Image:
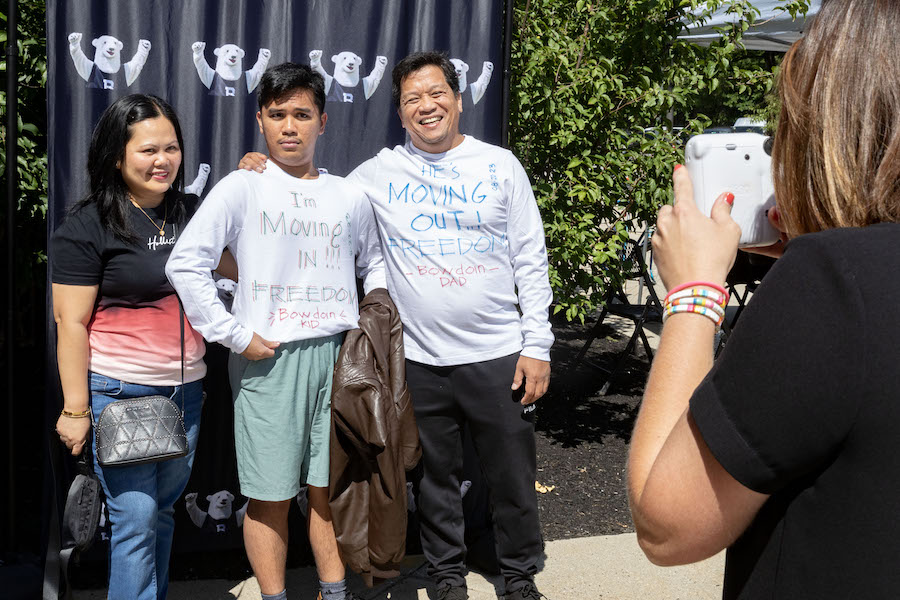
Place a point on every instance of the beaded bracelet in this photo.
(696, 300)
(690, 284)
(715, 296)
(76, 415)
(693, 308)
(716, 314)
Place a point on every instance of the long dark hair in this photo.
(108, 190)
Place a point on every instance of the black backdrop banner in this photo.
(205, 57)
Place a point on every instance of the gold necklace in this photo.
(162, 228)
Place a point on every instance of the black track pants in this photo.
(478, 396)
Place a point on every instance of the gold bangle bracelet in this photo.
(76, 415)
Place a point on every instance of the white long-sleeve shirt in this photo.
(296, 242)
(463, 245)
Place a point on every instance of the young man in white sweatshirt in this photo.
(300, 238)
(464, 252)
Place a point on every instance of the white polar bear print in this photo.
(477, 87)
(225, 289)
(339, 88)
(226, 285)
(105, 71)
(196, 187)
(219, 515)
(223, 81)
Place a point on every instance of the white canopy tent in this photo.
(774, 30)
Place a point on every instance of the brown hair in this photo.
(836, 157)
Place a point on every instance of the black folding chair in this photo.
(748, 270)
(617, 303)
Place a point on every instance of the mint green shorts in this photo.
(282, 417)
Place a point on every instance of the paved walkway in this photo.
(604, 567)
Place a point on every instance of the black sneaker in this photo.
(526, 592)
(452, 592)
(347, 596)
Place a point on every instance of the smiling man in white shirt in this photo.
(464, 250)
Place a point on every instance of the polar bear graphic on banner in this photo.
(197, 186)
(106, 71)
(477, 87)
(225, 80)
(340, 86)
(220, 517)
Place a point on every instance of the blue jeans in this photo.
(141, 498)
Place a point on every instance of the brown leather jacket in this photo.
(374, 439)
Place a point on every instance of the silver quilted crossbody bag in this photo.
(141, 430)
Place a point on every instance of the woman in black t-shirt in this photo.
(786, 450)
(118, 334)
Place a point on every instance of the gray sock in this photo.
(280, 596)
(334, 591)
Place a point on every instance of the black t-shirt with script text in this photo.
(134, 333)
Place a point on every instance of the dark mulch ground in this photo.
(583, 436)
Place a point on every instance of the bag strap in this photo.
(181, 325)
(56, 562)
(180, 201)
(52, 566)
(84, 463)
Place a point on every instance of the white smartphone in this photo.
(740, 163)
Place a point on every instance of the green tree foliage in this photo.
(749, 94)
(597, 87)
(31, 108)
(31, 149)
(28, 335)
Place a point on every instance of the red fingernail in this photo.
(729, 198)
(677, 167)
